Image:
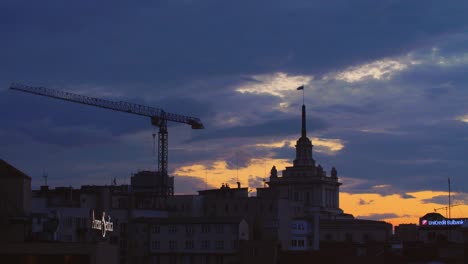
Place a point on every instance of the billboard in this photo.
(443, 222)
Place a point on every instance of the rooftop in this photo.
(8, 171)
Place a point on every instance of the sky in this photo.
(385, 90)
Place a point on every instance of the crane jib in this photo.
(121, 106)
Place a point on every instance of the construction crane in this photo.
(447, 209)
(158, 117)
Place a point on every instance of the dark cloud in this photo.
(411, 161)
(440, 199)
(364, 202)
(119, 42)
(382, 216)
(277, 128)
(189, 184)
(407, 196)
(256, 181)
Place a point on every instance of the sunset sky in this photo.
(385, 89)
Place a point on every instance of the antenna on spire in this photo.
(303, 131)
(301, 88)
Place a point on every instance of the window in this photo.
(294, 243)
(205, 228)
(219, 228)
(205, 244)
(155, 245)
(234, 244)
(234, 228)
(155, 229)
(172, 229)
(68, 221)
(300, 243)
(172, 259)
(219, 244)
(123, 228)
(189, 229)
(172, 245)
(155, 259)
(254, 252)
(189, 244)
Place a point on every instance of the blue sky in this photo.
(385, 88)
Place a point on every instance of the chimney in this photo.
(238, 185)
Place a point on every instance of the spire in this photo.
(303, 145)
(304, 130)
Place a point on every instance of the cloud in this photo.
(379, 70)
(456, 198)
(380, 216)
(277, 128)
(407, 196)
(189, 184)
(275, 84)
(463, 118)
(256, 181)
(364, 202)
(324, 145)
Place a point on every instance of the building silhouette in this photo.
(298, 212)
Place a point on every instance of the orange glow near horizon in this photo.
(405, 211)
(390, 208)
(219, 173)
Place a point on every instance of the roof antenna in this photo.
(206, 178)
(45, 176)
(237, 167)
(450, 202)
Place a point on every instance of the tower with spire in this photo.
(306, 184)
(304, 146)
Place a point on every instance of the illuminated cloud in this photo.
(324, 145)
(378, 70)
(463, 118)
(277, 84)
(327, 145)
(447, 61)
(381, 186)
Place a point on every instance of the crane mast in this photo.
(158, 117)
